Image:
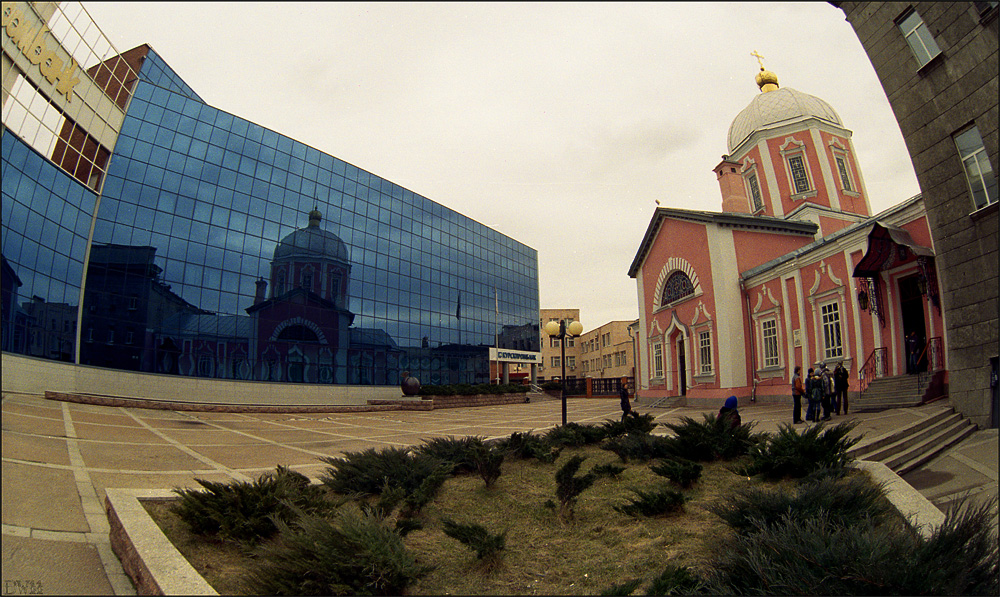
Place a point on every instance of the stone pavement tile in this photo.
(262, 455)
(167, 425)
(104, 481)
(943, 477)
(161, 457)
(52, 568)
(35, 448)
(33, 408)
(208, 436)
(130, 435)
(104, 417)
(33, 424)
(41, 498)
(290, 436)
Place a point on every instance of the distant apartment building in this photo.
(551, 367)
(607, 351)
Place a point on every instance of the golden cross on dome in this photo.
(760, 59)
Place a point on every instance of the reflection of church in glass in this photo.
(300, 331)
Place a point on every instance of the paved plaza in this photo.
(59, 458)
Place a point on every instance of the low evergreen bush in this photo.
(458, 451)
(656, 502)
(608, 470)
(676, 580)
(525, 446)
(488, 547)
(472, 390)
(626, 588)
(487, 461)
(354, 554)
(370, 471)
(814, 555)
(574, 434)
(711, 439)
(681, 471)
(790, 453)
(569, 486)
(619, 427)
(245, 511)
(845, 500)
(639, 446)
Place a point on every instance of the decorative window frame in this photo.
(792, 148)
(818, 299)
(703, 323)
(672, 265)
(751, 175)
(298, 321)
(767, 308)
(839, 152)
(657, 371)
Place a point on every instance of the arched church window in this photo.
(677, 287)
(298, 333)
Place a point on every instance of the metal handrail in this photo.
(873, 368)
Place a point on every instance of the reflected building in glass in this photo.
(193, 242)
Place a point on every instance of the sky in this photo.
(560, 125)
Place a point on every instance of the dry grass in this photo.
(595, 550)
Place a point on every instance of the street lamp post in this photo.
(562, 330)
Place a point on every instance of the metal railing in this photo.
(874, 368)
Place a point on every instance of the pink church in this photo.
(794, 271)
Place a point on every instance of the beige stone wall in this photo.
(36, 376)
(546, 372)
(595, 345)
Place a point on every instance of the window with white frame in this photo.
(769, 339)
(918, 36)
(556, 361)
(757, 203)
(658, 360)
(978, 172)
(571, 361)
(845, 175)
(833, 346)
(705, 352)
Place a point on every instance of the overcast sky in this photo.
(559, 125)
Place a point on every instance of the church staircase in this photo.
(905, 449)
(900, 391)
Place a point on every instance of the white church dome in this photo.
(776, 107)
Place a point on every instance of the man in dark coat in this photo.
(840, 384)
(625, 402)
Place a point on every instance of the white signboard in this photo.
(515, 356)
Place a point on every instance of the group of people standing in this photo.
(822, 389)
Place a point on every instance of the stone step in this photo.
(913, 436)
(933, 447)
(868, 445)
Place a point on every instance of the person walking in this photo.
(625, 403)
(798, 389)
(841, 381)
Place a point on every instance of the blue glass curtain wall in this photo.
(223, 249)
(46, 216)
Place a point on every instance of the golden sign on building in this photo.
(29, 34)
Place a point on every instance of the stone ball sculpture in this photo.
(409, 385)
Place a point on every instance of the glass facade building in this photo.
(219, 248)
